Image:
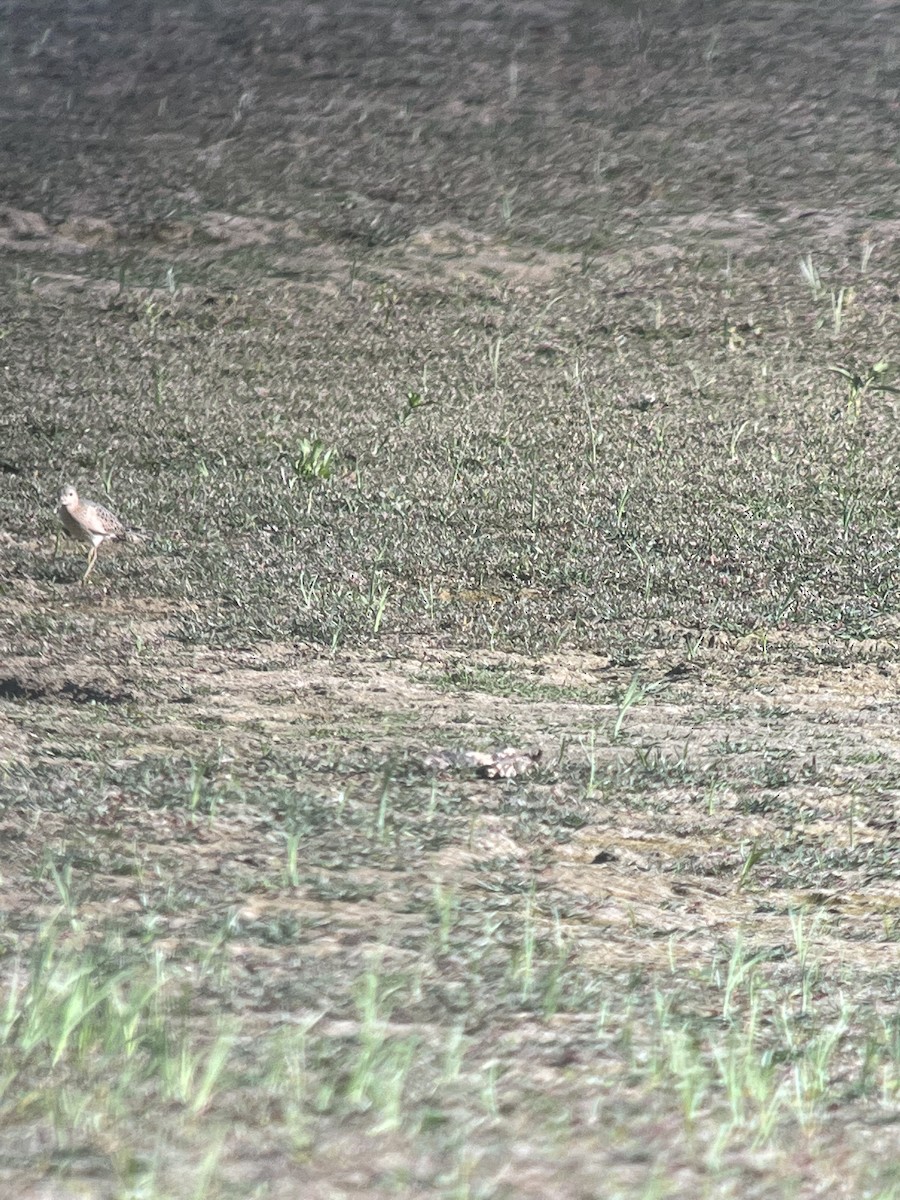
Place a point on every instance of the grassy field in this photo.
(490, 376)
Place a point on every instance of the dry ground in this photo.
(490, 376)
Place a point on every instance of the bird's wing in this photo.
(98, 519)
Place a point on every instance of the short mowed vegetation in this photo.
(489, 377)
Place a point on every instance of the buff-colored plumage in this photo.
(91, 523)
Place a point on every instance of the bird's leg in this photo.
(56, 547)
(92, 558)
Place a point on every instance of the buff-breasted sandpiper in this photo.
(92, 524)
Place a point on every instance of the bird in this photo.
(88, 522)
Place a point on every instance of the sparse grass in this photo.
(506, 544)
(476, 398)
(505, 680)
(114, 1045)
(431, 1025)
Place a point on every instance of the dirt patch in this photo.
(745, 754)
